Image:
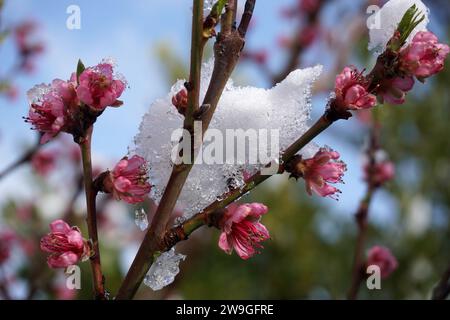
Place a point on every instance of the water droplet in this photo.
(140, 218)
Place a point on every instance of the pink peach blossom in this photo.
(128, 180)
(394, 90)
(242, 229)
(351, 91)
(99, 88)
(52, 107)
(425, 56)
(67, 91)
(65, 245)
(48, 116)
(320, 170)
(383, 258)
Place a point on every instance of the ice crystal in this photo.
(285, 107)
(164, 270)
(140, 219)
(36, 94)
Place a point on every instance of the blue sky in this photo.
(128, 31)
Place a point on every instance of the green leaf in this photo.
(409, 22)
(80, 69)
(218, 7)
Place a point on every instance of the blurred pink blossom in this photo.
(383, 258)
(44, 161)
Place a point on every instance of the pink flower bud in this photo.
(241, 229)
(65, 245)
(99, 88)
(180, 101)
(128, 180)
(425, 56)
(383, 258)
(351, 91)
(319, 171)
(383, 172)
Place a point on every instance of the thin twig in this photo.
(91, 219)
(361, 217)
(246, 18)
(359, 262)
(26, 157)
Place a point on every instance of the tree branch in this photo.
(91, 218)
(197, 46)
